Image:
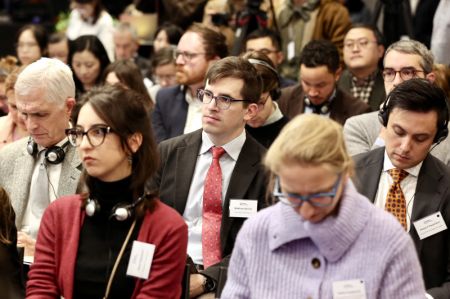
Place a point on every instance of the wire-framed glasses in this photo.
(321, 199)
(222, 102)
(95, 135)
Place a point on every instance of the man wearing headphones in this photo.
(37, 170)
(318, 92)
(406, 180)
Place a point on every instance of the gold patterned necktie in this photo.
(395, 200)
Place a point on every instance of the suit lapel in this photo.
(70, 173)
(428, 196)
(23, 171)
(186, 159)
(369, 172)
(247, 165)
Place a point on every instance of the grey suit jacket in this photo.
(248, 181)
(16, 170)
(432, 194)
(361, 131)
(377, 95)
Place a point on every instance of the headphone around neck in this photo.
(274, 93)
(53, 155)
(121, 211)
(442, 131)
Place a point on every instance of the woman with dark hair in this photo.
(127, 74)
(89, 17)
(88, 59)
(31, 43)
(10, 277)
(166, 35)
(86, 242)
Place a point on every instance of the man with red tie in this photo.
(214, 176)
(406, 180)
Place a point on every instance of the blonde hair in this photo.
(310, 139)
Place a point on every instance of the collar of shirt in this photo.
(387, 165)
(275, 116)
(41, 148)
(232, 148)
(364, 81)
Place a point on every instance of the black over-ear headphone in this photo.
(274, 93)
(53, 155)
(324, 108)
(442, 131)
(121, 211)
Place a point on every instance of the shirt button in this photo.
(315, 263)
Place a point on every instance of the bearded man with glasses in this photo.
(209, 174)
(177, 110)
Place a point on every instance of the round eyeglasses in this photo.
(95, 135)
(406, 73)
(320, 200)
(222, 102)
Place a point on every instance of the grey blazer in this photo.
(432, 194)
(361, 131)
(16, 170)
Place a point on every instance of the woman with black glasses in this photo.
(322, 239)
(115, 240)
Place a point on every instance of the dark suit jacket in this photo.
(169, 115)
(377, 95)
(248, 181)
(432, 195)
(342, 107)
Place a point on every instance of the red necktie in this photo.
(212, 211)
(395, 200)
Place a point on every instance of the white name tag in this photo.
(141, 258)
(430, 225)
(290, 50)
(243, 208)
(349, 289)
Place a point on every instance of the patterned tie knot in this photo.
(397, 175)
(217, 152)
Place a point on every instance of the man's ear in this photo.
(134, 142)
(430, 77)
(252, 110)
(337, 74)
(70, 104)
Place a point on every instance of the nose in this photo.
(180, 59)
(405, 145)
(306, 210)
(85, 142)
(397, 79)
(313, 92)
(30, 124)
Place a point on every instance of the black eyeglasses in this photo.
(222, 102)
(95, 135)
(321, 199)
(406, 73)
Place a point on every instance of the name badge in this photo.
(349, 289)
(141, 258)
(290, 50)
(241, 208)
(430, 225)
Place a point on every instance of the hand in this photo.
(24, 240)
(196, 282)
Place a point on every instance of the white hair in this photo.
(49, 74)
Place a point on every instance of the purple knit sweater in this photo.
(279, 255)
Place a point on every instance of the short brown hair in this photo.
(214, 42)
(238, 68)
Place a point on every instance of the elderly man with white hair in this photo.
(44, 166)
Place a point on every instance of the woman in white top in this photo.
(88, 17)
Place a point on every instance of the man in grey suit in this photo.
(403, 60)
(229, 99)
(39, 169)
(405, 179)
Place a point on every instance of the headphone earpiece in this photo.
(274, 93)
(121, 211)
(53, 155)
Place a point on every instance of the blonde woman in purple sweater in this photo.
(322, 239)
